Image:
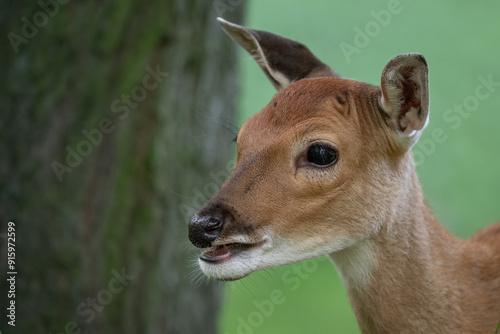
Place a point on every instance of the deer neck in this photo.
(394, 275)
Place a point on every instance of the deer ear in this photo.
(283, 61)
(405, 96)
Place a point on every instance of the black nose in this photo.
(204, 230)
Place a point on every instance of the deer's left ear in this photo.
(405, 96)
(283, 60)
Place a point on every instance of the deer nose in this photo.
(204, 230)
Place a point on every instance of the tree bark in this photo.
(113, 115)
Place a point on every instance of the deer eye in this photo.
(322, 155)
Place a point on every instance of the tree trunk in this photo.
(113, 115)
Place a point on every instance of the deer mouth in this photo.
(221, 253)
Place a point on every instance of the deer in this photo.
(326, 169)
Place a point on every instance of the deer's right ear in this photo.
(405, 96)
(283, 60)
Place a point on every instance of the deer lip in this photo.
(221, 253)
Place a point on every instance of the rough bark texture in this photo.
(99, 169)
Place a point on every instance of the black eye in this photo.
(322, 154)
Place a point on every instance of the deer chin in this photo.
(230, 261)
(233, 260)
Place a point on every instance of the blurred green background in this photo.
(459, 175)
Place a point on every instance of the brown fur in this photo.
(404, 272)
(428, 281)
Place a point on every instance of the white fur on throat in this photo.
(356, 264)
